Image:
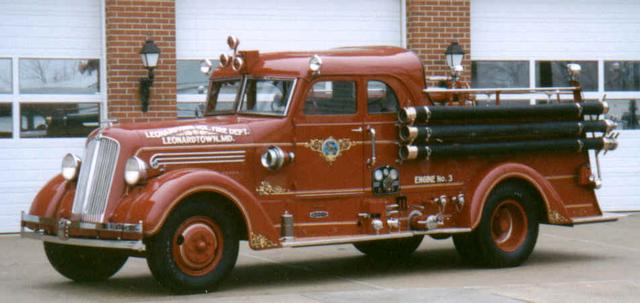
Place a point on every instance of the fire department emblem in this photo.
(330, 148)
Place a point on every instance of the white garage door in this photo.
(605, 35)
(49, 65)
(202, 27)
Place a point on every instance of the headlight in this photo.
(70, 167)
(135, 171)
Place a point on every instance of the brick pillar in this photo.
(128, 25)
(432, 25)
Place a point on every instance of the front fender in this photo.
(153, 202)
(556, 212)
(49, 198)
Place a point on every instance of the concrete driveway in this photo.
(589, 263)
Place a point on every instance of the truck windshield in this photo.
(266, 96)
(223, 95)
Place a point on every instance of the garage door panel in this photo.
(551, 28)
(285, 25)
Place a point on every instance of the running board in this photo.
(596, 219)
(352, 239)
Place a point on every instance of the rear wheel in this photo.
(390, 248)
(196, 248)
(84, 264)
(507, 232)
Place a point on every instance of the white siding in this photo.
(203, 26)
(570, 30)
(41, 29)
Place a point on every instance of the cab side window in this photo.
(331, 98)
(381, 98)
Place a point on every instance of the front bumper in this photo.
(120, 235)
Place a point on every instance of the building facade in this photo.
(66, 65)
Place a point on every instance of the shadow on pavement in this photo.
(312, 271)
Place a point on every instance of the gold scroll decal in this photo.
(330, 149)
(259, 241)
(266, 189)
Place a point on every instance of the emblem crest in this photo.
(330, 148)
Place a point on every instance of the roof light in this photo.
(225, 60)
(233, 43)
(238, 63)
(315, 63)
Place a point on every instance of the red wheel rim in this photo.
(197, 246)
(508, 225)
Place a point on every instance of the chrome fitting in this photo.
(605, 107)
(610, 126)
(408, 134)
(393, 223)
(408, 115)
(286, 226)
(460, 200)
(377, 225)
(409, 152)
(609, 144)
(595, 181)
(432, 222)
(63, 229)
(442, 201)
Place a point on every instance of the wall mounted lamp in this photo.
(149, 54)
(454, 55)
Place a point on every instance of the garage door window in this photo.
(5, 76)
(494, 74)
(625, 112)
(554, 74)
(58, 120)
(54, 98)
(192, 86)
(6, 124)
(622, 75)
(59, 76)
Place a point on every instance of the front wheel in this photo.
(196, 248)
(84, 264)
(507, 232)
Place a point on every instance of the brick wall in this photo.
(432, 25)
(128, 25)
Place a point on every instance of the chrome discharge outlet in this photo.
(286, 226)
(377, 225)
(393, 223)
(432, 222)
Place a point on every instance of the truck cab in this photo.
(316, 148)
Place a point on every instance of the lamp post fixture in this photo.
(149, 54)
(454, 55)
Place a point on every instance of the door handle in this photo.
(357, 130)
(372, 133)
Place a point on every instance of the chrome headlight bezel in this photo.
(70, 167)
(135, 171)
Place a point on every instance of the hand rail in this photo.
(502, 90)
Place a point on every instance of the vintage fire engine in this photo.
(316, 148)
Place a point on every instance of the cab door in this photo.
(329, 162)
(382, 96)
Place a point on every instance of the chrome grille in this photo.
(94, 181)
